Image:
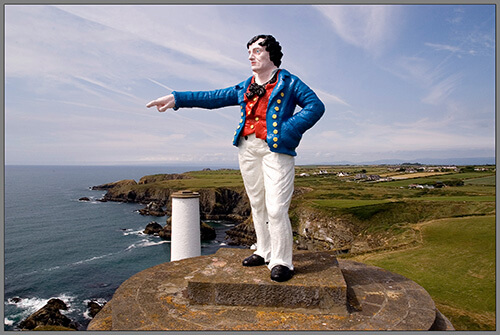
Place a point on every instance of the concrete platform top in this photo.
(318, 283)
(157, 299)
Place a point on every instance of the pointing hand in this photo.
(163, 103)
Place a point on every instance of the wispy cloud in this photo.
(328, 97)
(368, 27)
(372, 137)
(160, 84)
(167, 28)
(442, 89)
(443, 47)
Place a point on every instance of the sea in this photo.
(56, 246)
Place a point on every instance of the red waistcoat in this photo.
(256, 113)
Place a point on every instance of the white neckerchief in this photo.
(271, 77)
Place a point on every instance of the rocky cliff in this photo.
(313, 229)
(215, 203)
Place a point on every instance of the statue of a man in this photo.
(267, 136)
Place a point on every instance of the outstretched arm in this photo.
(163, 103)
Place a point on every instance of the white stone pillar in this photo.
(186, 241)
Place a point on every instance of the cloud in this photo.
(435, 82)
(369, 27)
(441, 90)
(328, 97)
(443, 47)
(167, 27)
(386, 138)
(115, 44)
(161, 85)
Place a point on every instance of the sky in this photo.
(398, 81)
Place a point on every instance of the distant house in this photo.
(373, 177)
(304, 175)
(360, 176)
(342, 174)
(418, 186)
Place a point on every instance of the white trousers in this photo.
(268, 178)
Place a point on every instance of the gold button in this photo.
(275, 139)
(235, 133)
(252, 126)
(256, 119)
(251, 105)
(242, 114)
(275, 124)
(242, 107)
(276, 108)
(249, 112)
(275, 116)
(275, 131)
(241, 120)
(278, 101)
(282, 94)
(255, 99)
(238, 127)
(275, 145)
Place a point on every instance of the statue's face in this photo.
(259, 57)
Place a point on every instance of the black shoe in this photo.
(254, 260)
(281, 273)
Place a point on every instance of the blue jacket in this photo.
(284, 127)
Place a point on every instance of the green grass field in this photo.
(456, 264)
(484, 181)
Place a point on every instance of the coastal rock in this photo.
(153, 209)
(153, 228)
(120, 183)
(317, 231)
(94, 308)
(15, 300)
(84, 199)
(48, 315)
(223, 203)
(206, 231)
(242, 234)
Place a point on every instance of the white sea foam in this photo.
(8, 322)
(53, 268)
(133, 232)
(92, 259)
(86, 314)
(100, 301)
(145, 243)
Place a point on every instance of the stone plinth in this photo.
(157, 299)
(318, 283)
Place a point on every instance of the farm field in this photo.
(455, 263)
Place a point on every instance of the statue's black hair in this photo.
(272, 46)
